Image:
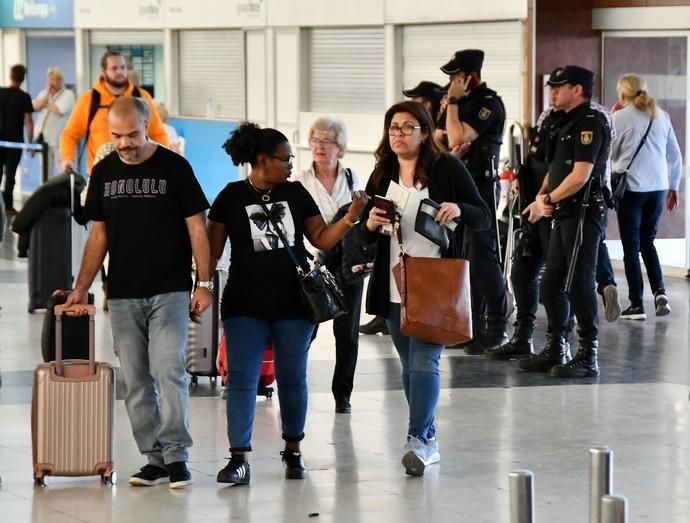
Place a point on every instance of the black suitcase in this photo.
(75, 332)
(204, 337)
(50, 256)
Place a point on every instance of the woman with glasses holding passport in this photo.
(411, 168)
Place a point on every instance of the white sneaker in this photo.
(661, 304)
(418, 455)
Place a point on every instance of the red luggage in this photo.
(268, 371)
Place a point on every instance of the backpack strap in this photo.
(136, 93)
(94, 106)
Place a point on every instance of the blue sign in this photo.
(45, 14)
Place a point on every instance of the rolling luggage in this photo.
(268, 370)
(72, 409)
(75, 332)
(203, 337)
(50, 256)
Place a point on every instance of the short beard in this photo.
(114, 84)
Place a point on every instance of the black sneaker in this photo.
(343, 406)
(236, 472)
(180, 476)
(293, 464)
(149, 475)
(633, 313)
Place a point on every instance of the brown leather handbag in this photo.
(435, 302)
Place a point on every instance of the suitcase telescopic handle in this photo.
(59, 311)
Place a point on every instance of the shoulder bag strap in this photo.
(350, 181)
(295, 261)
(642, 142)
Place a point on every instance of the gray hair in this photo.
(331, 125)
(54, 71)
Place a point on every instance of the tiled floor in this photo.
(491, 419)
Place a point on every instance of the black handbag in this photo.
(427, 226)
(619, 180)
(320, 292)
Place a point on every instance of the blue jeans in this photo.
(246, 339)
(151, 340)
(420, 376)
(638, 220)
(604, 272)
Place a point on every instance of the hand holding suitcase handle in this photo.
(59, 311)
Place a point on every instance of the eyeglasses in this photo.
(405, 129)
(321, 143)
(287, 162)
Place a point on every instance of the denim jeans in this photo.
(638, 220)
(151, 339)
(420, 376)
(604, 272)
(246, 339)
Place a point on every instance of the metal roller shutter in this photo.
(427, 47)
(346, 70)
(212, 74)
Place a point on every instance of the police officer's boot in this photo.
(519, 346)
(493, 337)
(556, 352)
(583, 365)
(473, 347)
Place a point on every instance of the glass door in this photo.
(662, 60)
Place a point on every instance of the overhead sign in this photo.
(27, 14)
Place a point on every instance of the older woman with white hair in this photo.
(55, 104)
(331, 184)
(653, 179)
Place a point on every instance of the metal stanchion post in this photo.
(521, 497)
(44, 164)
(614, 509)
(600, 480)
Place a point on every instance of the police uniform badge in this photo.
(586, 137)
(484, 113)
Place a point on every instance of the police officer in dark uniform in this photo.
(476, 116)
(572, 195)
(531, 248)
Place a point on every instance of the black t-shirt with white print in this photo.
(263, 280)
(144, 208)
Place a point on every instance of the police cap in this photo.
(574, 75)
(466, 61)
(428, 90)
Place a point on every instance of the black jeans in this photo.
(583, 295)
(9, 161)
(486, 276)
(346, 333)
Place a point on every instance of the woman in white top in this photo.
(653, 179)
(331, 186)
(55, 104)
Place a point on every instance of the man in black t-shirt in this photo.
(147, 212)
(15, 114)
(475, 115)
(572, 194)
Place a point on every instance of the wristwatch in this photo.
(547, 199)
(453, 100)
(206, 284)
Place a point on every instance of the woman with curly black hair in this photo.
(261, 301)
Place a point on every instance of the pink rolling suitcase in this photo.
(72, 413)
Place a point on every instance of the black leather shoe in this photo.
(293, 464)
(556, 352)
(583, 365)
(515, 348)
(343, 406)
(375, 326)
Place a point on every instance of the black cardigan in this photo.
(450, 181)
